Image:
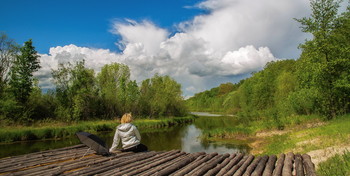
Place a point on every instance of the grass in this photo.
(246, 129)
(335, 132)
(299, 134)
(337, 165)
(56, 130)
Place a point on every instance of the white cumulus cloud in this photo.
(233, 39)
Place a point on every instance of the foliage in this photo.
(24, 66)
(161, 96)
(76, 92)
(337, 165)
(213, 100)
(19, 68)
(317, 83)
(56, 130)
(324, 63)
(118, 93)
(82, 96)
(8, 52)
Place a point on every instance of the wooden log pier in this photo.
(75, 160)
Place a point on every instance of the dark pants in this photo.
(138, 148)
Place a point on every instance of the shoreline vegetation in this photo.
(58, 130)
(326, 141)
(300, 105)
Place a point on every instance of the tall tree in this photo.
(161, 96)
(8, 52)
(75, 92)
(24, 65)
(113, 81)
(323, 61)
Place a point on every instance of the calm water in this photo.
(185, 138)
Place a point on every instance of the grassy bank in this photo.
(56, 130)
(319, 138)
(310, 136)
(247, 129)
(337, 165)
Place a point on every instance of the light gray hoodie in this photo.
(128, 134)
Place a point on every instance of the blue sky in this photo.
(84, 22)
(198, 43)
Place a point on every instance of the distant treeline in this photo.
(80, 93)
(316, 83)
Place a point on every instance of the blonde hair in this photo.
(127, 118)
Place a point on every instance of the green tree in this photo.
(76, 92)
(161, 96)
(324, 63)
(114, 84)
(25, 64)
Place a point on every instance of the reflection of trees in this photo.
(209, 123)
(243, 148)
(205, 143)
(164, 139)
(20, 148)
(159, 139)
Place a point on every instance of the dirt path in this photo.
(318, 156)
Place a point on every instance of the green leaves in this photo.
(323, 65)
(25, 64)
(161, 96)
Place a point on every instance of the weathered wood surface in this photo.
(71, 161)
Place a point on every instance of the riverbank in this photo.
(322, 140)
(58, 130)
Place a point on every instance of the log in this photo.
(270, 165)
(235, 168)
(252, 166)
(179, 165)
(210, 165)
(132, 166)
(58, 166)
(73, 169)
(187, 168)
(308, 165)
(236, 160)
(165, 165)
(288, 165)
(242, 169)
(25, 162)
(74, 166)
(279, 165)
(194, 165)
(202, 165)
(118, 162)
(299, 165)
(215, 170)
(41, 153)
(140, 170)
(38, 162)
(260, 167)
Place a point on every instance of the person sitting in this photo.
(129, 136)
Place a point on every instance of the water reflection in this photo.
(185, 138)
(192, 143)
(206, 114)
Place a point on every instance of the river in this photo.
(185, 138)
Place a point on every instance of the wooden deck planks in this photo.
(71, 161)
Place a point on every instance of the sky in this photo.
(199, 43)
